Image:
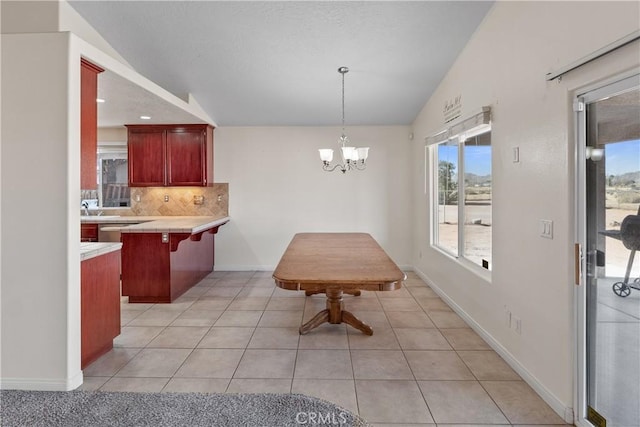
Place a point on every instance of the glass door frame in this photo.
(583, 97)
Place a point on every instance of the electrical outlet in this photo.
(166, 197)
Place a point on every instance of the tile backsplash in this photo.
(150, 201)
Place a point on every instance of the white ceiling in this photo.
(274, 63)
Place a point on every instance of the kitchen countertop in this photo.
(90, 250)
(158, 224)
(177, 224)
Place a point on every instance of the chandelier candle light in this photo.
(352, 157)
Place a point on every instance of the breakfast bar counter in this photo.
(162, 259)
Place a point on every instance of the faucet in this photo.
(85, 205)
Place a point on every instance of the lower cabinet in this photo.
(100, 305)
(88, 232)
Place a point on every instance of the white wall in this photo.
(504, 66)
(40, 167)
(51, 16)
(277, 188)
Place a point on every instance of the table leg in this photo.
(335, 313)
(315, 321)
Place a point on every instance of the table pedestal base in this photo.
(335, 313)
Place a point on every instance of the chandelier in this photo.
(353, 158)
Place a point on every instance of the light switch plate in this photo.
(546, 228)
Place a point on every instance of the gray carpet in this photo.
(80, 408)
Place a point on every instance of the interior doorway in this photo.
(609, 300)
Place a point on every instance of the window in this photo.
(113, 189)
(461, 172)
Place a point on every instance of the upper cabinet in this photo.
(88, 124)
(170, 155)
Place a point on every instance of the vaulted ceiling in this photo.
(271, 63)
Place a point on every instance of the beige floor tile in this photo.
(180, 304)
(210, 363)
(154, 362)
(380, 365)
(520, 403)
(285, 293)
(460, 402)
(488, 365)
(447, 319)
(323, 364)
(422, 292)
(128, 316)
(362, 304)
(392, 401)
(92, 383)
(281, 318)
(432, 304)
(326, 336)
(464, 339)
(136, 336)
(400, 304)
(421, 339)
(155, 318)
(275, 338)
(396, 293)
(196, 385)
(140, 385)
(437, 365)
(409, 319)
(178, 337)
(266, 364)
(382, 339)
(140, 307)
(261, 283)
(196, 291)
(248, 303)
(256, 291)
(111, 362)
(239, 318)
(341, 392)
(262, 385)
(375, 319)
(211, 303)
(193, 317)
(223, 291)
(292, 304)
(226, 337)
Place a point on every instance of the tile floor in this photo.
(236, 332)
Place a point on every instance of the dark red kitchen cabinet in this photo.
(170, 155)
(88, 124)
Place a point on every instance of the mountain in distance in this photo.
(624, 179)
(477, 180)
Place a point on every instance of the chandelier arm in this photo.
(326, 168)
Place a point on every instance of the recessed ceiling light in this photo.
(99, 100)
(145, 117)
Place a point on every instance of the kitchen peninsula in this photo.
(100, 298)
(162, 259)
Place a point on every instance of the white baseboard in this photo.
(44, 384)
(565, 412)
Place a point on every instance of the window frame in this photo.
(460, 138)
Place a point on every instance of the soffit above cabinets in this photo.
(125, 102)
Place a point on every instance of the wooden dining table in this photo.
(334, 264)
